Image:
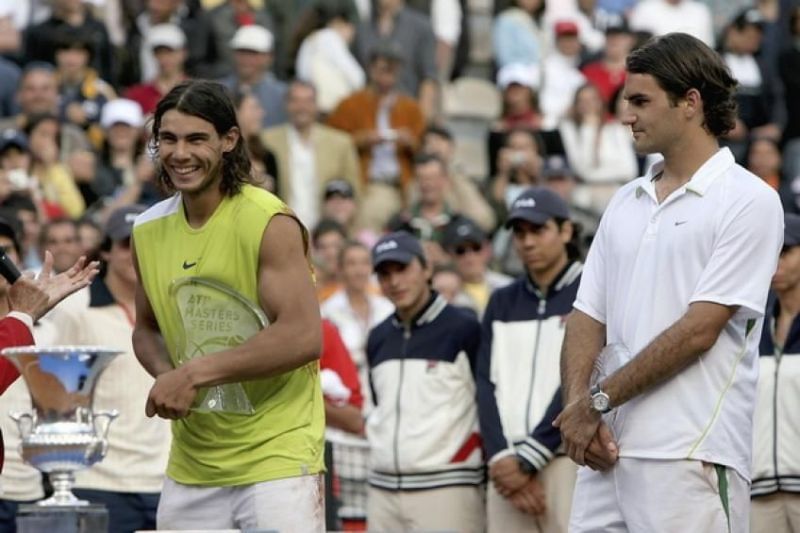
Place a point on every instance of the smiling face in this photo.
(191, 151)
(654, 119)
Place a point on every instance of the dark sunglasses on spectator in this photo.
(464, 248)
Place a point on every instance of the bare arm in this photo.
(672, 351)
(428, 95)
(583, 340)
(287, 295)
(345, 417)
(148, 344)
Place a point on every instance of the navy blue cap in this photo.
(15, 138)
(398, 247)
(537, 205)
(791, 230)
(462, 230)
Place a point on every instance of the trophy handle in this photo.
(25, 423)
(108, 416)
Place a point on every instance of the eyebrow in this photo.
(199, 135)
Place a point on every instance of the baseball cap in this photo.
(121, 110)
(166, 36)
(460, 231)
(120, 224)
(521, 74)
(537, 205)
(253, 37)
(791, 230)
(749, 17)
(565, 27)
(13, 138)
(617, 25)
(396, 247)
(339, 187)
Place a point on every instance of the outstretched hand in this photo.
(38, 295)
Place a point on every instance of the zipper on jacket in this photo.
(539, 312)
(406, 336)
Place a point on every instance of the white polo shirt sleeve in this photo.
(592, 291)
(745, 256)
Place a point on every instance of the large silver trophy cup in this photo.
(62, 433)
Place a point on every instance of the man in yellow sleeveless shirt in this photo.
(259, 466)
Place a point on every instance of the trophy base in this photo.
(90, 518)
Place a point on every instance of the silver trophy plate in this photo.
(215, 317)
(62, 433)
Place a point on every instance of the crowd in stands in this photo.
(344, 106)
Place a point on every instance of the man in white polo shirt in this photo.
(676, 281)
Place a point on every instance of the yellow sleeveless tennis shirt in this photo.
(285, 436)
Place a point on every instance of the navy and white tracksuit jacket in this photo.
(519, 367)
(776, 435)
(423, 431)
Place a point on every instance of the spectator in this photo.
(31, 218)
(764, 160)
(15, 165)
(789, 71)
(128, 480)
(55, 179)
(426, 462)
(463, 194)
(90, 237)
(531, 488)
(309, 154)
(386, 127)
(356, 308)
(38, 93)
(140, 64)
(660, 17)
(168, 44)
(471, 252)
(60, 237)
(607, 73)
(71, 16)
(775, 494)
(599, 149)
(561, 75)
(339, 204)
(82, 93)
(340, 384)
(449, 284)
(324, 58)
(252, 55)
(125, 173)
(519, 84)
(263, 163)
(519, 166)
(392, 20)
(430, 214)
(327, 239)
(759, 94)
(225, 21)
(9, 80)
(518, 34)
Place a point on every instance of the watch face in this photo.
(600, 402)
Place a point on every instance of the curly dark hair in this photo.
(680, 62)
(211, 102)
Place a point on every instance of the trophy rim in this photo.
(61, 350)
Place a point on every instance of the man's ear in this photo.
(693, 103)
(230, 138)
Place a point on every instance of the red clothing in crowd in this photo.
(336, 357)
(607, 81)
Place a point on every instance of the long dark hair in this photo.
(211, 102)
(680, 62)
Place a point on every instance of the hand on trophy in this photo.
(172, 394)
(37, 295)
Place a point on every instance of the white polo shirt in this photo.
(716, 239)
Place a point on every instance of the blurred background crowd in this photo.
(364, 116)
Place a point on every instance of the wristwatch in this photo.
(600, 400)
